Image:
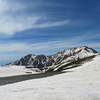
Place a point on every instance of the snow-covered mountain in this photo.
(80, 83)
(65, 56)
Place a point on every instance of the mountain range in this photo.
(55, 61)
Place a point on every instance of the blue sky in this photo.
(47, 26)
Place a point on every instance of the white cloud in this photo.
(9, 57)
(13, 47)
(10, 25)
(10, 6)
(41, 47)
(38, 47)
(2, 6)
(53, 45)
(62, 44)
(97, 45)
(48, 46)
(50, 24)
(12, 22)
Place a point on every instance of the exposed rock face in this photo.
(68, 55)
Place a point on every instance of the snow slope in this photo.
(81, 83)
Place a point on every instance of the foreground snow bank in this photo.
(81, 83)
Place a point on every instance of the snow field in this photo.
(6, 71)
(81, 83)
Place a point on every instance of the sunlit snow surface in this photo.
(14, 70)
(81, 83)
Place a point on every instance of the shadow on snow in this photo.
(14, 79)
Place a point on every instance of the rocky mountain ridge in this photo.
(65, 56)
